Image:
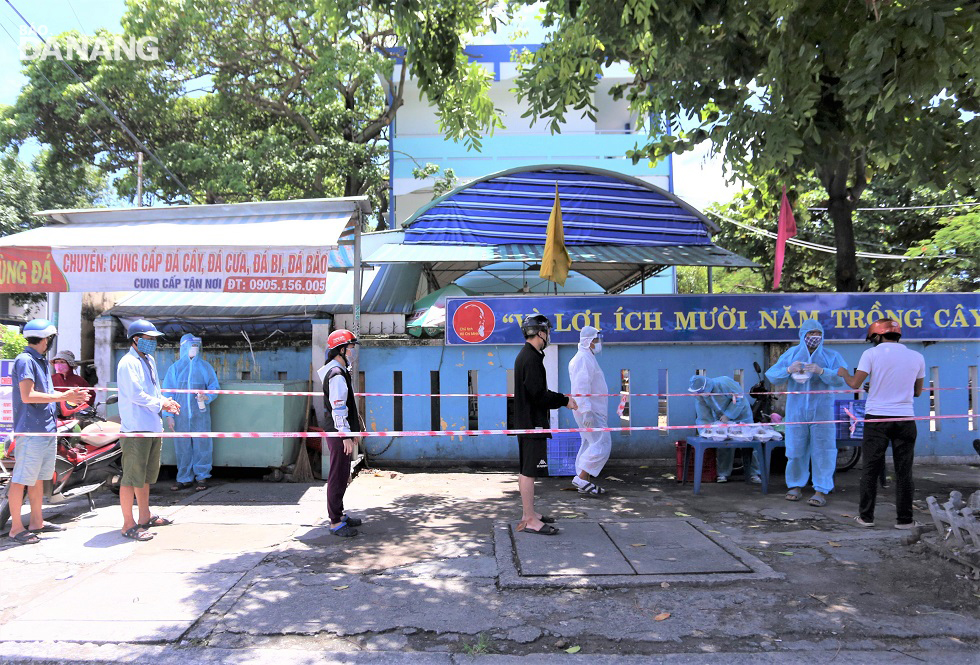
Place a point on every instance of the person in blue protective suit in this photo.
(723, 399)
(192, 372)
(811, 445)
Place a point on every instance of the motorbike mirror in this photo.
(757, 368)
(112, 400)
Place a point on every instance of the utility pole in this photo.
(139, 180)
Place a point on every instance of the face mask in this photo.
(61, 368)
(147, 346)
(547, 340)
(812, 341)
(598, 347)
(350, 355)
(191, 352)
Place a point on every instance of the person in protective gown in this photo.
(587, 379)
(723, 399)
(811, 446)
(192, 372)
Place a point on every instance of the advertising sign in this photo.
(6, 406)
(714, 318)
(227, 269)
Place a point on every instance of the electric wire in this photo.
(821, 248)
(142, 146)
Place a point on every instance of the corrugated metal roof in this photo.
(613, 267)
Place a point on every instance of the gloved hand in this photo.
(588, 419)
(795, 367)
(724, 419)
(813, 368)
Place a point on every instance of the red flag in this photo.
(785, 231)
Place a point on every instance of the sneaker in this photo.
(909, 525)
(755, 479)
(722, 479)
(861, 522)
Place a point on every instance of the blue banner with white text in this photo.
(714, 318)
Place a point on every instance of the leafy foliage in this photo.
(888, 232)
(263, 99)
(12, 343)
(43, 185)
(828, 89)
(957, 241)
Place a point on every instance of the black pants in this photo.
(877, 435)
(337, 479)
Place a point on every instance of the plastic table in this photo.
(701, 444)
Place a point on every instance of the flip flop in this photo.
(26, 538)
(48, 527)
(137, 533)
(794, 494)
(176, 487)
(545, 530)
(156, 520)
(817, 501)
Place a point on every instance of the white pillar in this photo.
(321, 330)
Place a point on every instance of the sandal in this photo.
(201, 486)
(817, 500)
(26, 537)
(352, 521)
(344, 530)
(545, 530)
(178, 486)
(156, 520)
(137, 533)
(794, 494)
(547, 519)
(48, 527)
(591, 489)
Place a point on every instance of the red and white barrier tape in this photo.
(452, 433)
(318, 393)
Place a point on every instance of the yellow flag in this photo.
(555, 262)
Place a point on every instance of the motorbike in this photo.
(83, 464)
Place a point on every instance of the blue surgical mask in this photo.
(147, 346)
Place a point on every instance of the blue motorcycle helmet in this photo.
(142, 327)
(38, 329)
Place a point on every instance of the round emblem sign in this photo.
(473, 321)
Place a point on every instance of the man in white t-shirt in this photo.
(897, 374)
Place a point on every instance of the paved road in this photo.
(248, 574)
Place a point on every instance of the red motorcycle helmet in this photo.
(882, 327)
(340, 337)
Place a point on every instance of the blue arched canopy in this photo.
(598, 208)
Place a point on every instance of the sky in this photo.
(697, 179)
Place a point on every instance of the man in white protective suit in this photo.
(587, 379)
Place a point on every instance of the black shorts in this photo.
(534, 456)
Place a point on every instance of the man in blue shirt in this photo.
(33, 399)
(140, 405)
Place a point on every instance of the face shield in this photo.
(698, 384)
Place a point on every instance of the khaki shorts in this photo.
(140, 460)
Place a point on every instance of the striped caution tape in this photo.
(452, 433)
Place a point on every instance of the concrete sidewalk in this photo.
(248, 574)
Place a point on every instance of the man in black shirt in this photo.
(532, 401)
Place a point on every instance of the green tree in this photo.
(889, 231)
(12, 343)
(957, 243)
(43, 185)
(264, 99)
(833, 89)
